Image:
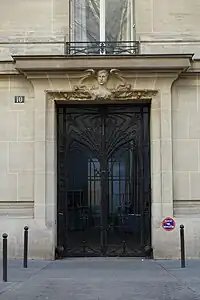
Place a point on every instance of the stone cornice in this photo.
(195, 67)
(8, 68)
(139, 63)
(59, 66)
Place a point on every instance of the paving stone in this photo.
(102, 279)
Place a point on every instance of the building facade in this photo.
(100, 126)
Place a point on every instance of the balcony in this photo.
(101, 48)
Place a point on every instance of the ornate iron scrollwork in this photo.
(104, 179)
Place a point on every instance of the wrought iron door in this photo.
(103, 180)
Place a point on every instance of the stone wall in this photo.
(186, 169)
(33, 27)
(17, 169)
(186, 146)
(160, 17)
(16, 150)
(168, 26)
(39, 27)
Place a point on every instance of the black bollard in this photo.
(124, 248)
(84, 246)
(5, 248)
(25, 246)
(182, 239)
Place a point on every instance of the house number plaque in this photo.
(19, 99)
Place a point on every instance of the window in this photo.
(102, 20)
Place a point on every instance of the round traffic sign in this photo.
(168, 224)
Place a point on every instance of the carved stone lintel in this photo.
(82, 95)
(82, 91)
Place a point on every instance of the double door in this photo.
(103, 180)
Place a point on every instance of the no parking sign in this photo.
(168, 224)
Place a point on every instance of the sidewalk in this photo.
(17, 274)
(102, 279)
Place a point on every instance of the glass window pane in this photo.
(85, 23)
(118, 20)
(86, 20)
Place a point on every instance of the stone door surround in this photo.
(77, 79)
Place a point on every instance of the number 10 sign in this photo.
(19, 99)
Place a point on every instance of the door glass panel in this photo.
(94, 186)
(124, 208)
(83, 204)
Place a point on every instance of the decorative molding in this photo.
(17, 209)
(82, 95)
(186, 208)
(99, 91)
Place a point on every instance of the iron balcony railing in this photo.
(102, 48)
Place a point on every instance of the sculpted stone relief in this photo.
(98, 90)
